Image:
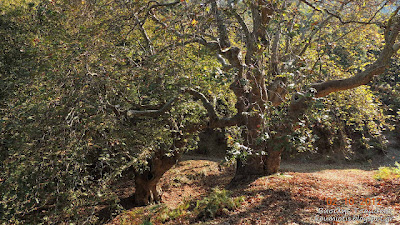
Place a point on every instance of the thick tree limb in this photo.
(222, 31)
(359, 79)
(243, 25)
(275, 53)
(209, 107)
(300, 101)
(378, 67)
(152, 113)
(261, 12)
(214, 122)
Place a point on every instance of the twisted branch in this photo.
(215, 120)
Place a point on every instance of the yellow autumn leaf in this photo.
(194, 22)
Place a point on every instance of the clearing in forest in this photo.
(300, 194)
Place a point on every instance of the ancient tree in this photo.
(260, 42)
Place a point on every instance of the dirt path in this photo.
(301, 194)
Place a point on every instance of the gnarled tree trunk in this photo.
(146, 182)
(257, 164)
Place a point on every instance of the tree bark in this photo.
(146, 189)
(257, 163)
(146, 182)
(273, 161)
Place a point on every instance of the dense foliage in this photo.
(385, 173)
(61, 65)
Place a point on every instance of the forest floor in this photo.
(300, 194)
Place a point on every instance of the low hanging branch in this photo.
(152, 113)
(214, 122)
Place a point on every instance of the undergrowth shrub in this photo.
(216, 204)
(388, 173)
(168, 214)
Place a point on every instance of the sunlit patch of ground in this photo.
(290, 197)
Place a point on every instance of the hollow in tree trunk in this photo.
(146, 182)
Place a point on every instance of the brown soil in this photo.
(290, 197)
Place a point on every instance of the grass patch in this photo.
(217, 203)
(388, 173)
(167, 214)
